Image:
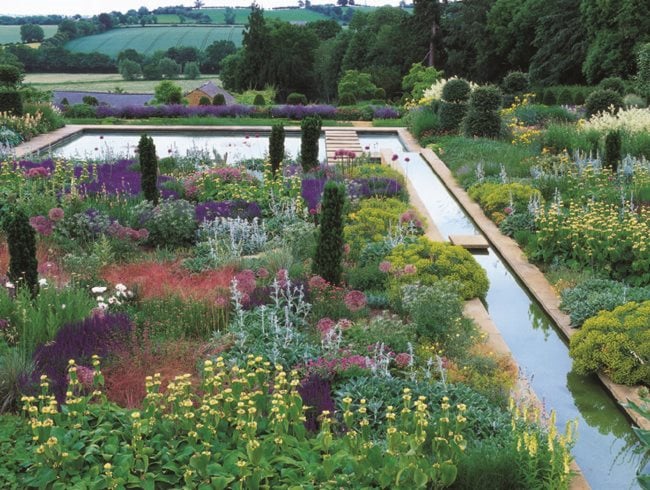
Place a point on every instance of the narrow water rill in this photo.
(605, 446)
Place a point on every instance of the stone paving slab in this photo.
(470, 242)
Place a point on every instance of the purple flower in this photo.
(210, 210)
(312, 191)
(316, 393)
(56, 214)
(42, 225)
(385, 113)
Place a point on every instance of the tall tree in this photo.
(31, 33)
(425, 30)
(257, 49)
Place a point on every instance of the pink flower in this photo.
(385, 266)
(395, 157)
(324, 325)
(37, 172)
(41, 224)
(402, 360)
(282, 276)
(222, 302)
(346, 249)
(56, 214)
(262, 273)
(355, 300)
(246, 282)
(85, 375)
(410, 269)
(508, 210)
(317, 283)
(407, 159)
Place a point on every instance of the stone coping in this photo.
(527, 273)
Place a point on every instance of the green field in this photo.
(11, 34)
(288, 15)
(99, 82)
(147, 40)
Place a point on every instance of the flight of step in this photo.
(341, 139)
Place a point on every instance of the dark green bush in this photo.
(296, 98)
(615, 84)
(64, 101)
(204, 100)
(515, 83)
(482, 117)
(603, 101)
(457, 90)
(21, 240)
(380, 93)
(90, 100)
(347, 99)
(565, 97)
(549, 97)
(366, 278)
(579, 98)
(259, 100)
(171, 223)
(10, 75)
(612, 154)
(276, 147)
(310, 126)
(11, 101)
(329, 248)
(148, 168)
(451, 115)
(219, 99)
(80, 111)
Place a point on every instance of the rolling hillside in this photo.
(147, 40)
(11, 34)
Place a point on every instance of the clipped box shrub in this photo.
(451, 115)
(219, 99)
(456, 90)
(296, 98)
(603, 101)
(10, 75)
(347, 99)
(204, 100)
(565, 97)
(616, 343)
(259, 100)
(482, 117)
(80, 111)
(11, 101)
(549, 97)
(579, 97)
(515, 83)
(615, 84)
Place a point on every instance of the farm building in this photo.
(103, 98)
(208, 90)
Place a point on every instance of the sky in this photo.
(92, 7)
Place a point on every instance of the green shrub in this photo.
(593, 295)
(456, 90)
(603, 101)
(15, 367)
(433, 261)
(50, 118)
(191, 70)
(11, 102)
(612, 154)
(64, 101)
(633, 100)
(366, 277)
(10, 76)
(204, 100)
(579, 98)
(171, 223)
(615, 342)
(615, 84)
(380, 93)
(148, 168)
(309, 138)
(80, 111)
(296, 98)
(423, 122)
(259, 100)
(219, 99)
(549, 97)
(451, 115)
(21, 240)
(565, 97)
(347, 99)
(482, 117)
(495, 198)
(329, 248)
(276, 147)
(90, 100)
(515, 83)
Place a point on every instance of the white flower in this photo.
(120, 287)
(102, 305)
(63, 306)
(9, 285)
(98, 289)
(42, 282)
